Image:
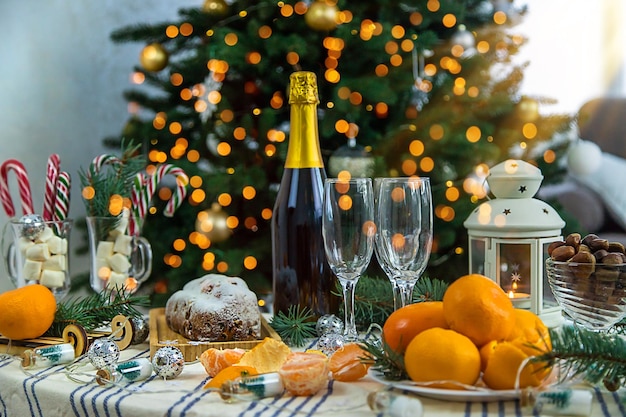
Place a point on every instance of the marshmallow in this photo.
(57, 245)
(38, 252)
(31, 270)
(52, 279)
(23, 244)
(104, 249)
(45, 234)
(56, 263)
(116, 280)
(120, 227)
(119, 263)
(123, 244)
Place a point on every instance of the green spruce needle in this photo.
(296, 326)
(595, 356)
(96, 310)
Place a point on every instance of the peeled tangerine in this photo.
(214, 360)
(304, 373)
(347, 363)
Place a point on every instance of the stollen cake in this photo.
(215, 308)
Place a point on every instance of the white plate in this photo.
(477, 395)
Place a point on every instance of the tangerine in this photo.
(503, 365)
(478, 308)
(26, 312)
(407, 322)
(348, 363)
(304, 373)
(530, 328)
(214, 360)
(442, 355)
(228, 374)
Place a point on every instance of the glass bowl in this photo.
(593, 296)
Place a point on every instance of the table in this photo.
(48, 392)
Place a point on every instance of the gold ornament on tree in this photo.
(153, 57)
(527, 110)
(215, 7)
(322, 15)
(212, 224)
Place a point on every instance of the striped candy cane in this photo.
(62, 199)
(144, 187)
(52, 175)
(26, 198)
(101, 160)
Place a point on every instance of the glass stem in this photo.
(349, 332)
(406, 292)
(397, 294)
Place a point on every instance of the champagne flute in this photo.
(405, 232)
(348, 230)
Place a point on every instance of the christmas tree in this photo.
(424, 87)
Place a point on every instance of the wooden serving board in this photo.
(161, 335)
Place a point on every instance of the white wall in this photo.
(61, 83)
(61, 78)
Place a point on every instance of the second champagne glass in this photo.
(348, 230)
(405, 232)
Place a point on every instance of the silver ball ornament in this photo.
(103, 353)
(140, 330)
(168, 362)
(31, 226)
(329, 323)
(329, 343)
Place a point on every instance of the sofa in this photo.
(596, 200)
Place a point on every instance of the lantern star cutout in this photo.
(516, 277)
(522, 189)
(507, 212)
(545, 211)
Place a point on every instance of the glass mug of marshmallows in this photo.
(120, 261)
(39, 253)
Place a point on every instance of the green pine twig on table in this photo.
(96, 310)
(296, 326)
(595, 356)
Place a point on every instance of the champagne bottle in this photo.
(300, 272)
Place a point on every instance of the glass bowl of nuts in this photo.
(588, 279)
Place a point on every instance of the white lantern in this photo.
(509, 238)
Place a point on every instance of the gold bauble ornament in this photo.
(212, 224)
(153, 57)
(527, 110)
(322, 15)
(215, 7)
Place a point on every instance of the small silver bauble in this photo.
(31, 226)
(140, 330)
(168, 362)
(329, 323)
(329, 343)
(103, 353)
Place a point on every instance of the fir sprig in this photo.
(596, 357)
(96, 310)
(429, 289)
(296, 326)
(385, 360)
(114, 180)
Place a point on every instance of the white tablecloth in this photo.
(48, 392)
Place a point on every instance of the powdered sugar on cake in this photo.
(214, 308)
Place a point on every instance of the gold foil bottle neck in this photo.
(303, 88)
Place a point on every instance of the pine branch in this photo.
(597, 357)
(296, 326)
(385, 360)
(96, 310)
(429, 289)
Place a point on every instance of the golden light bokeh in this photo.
(398, 241)
(345, 202)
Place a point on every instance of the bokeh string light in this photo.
(239, 128)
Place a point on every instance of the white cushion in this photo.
(609, 183)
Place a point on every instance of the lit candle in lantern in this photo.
(519, 299)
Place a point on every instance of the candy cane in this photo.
(52, 175)
(101, 160)
(144, 187)
(26, 198)
(62, 199)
